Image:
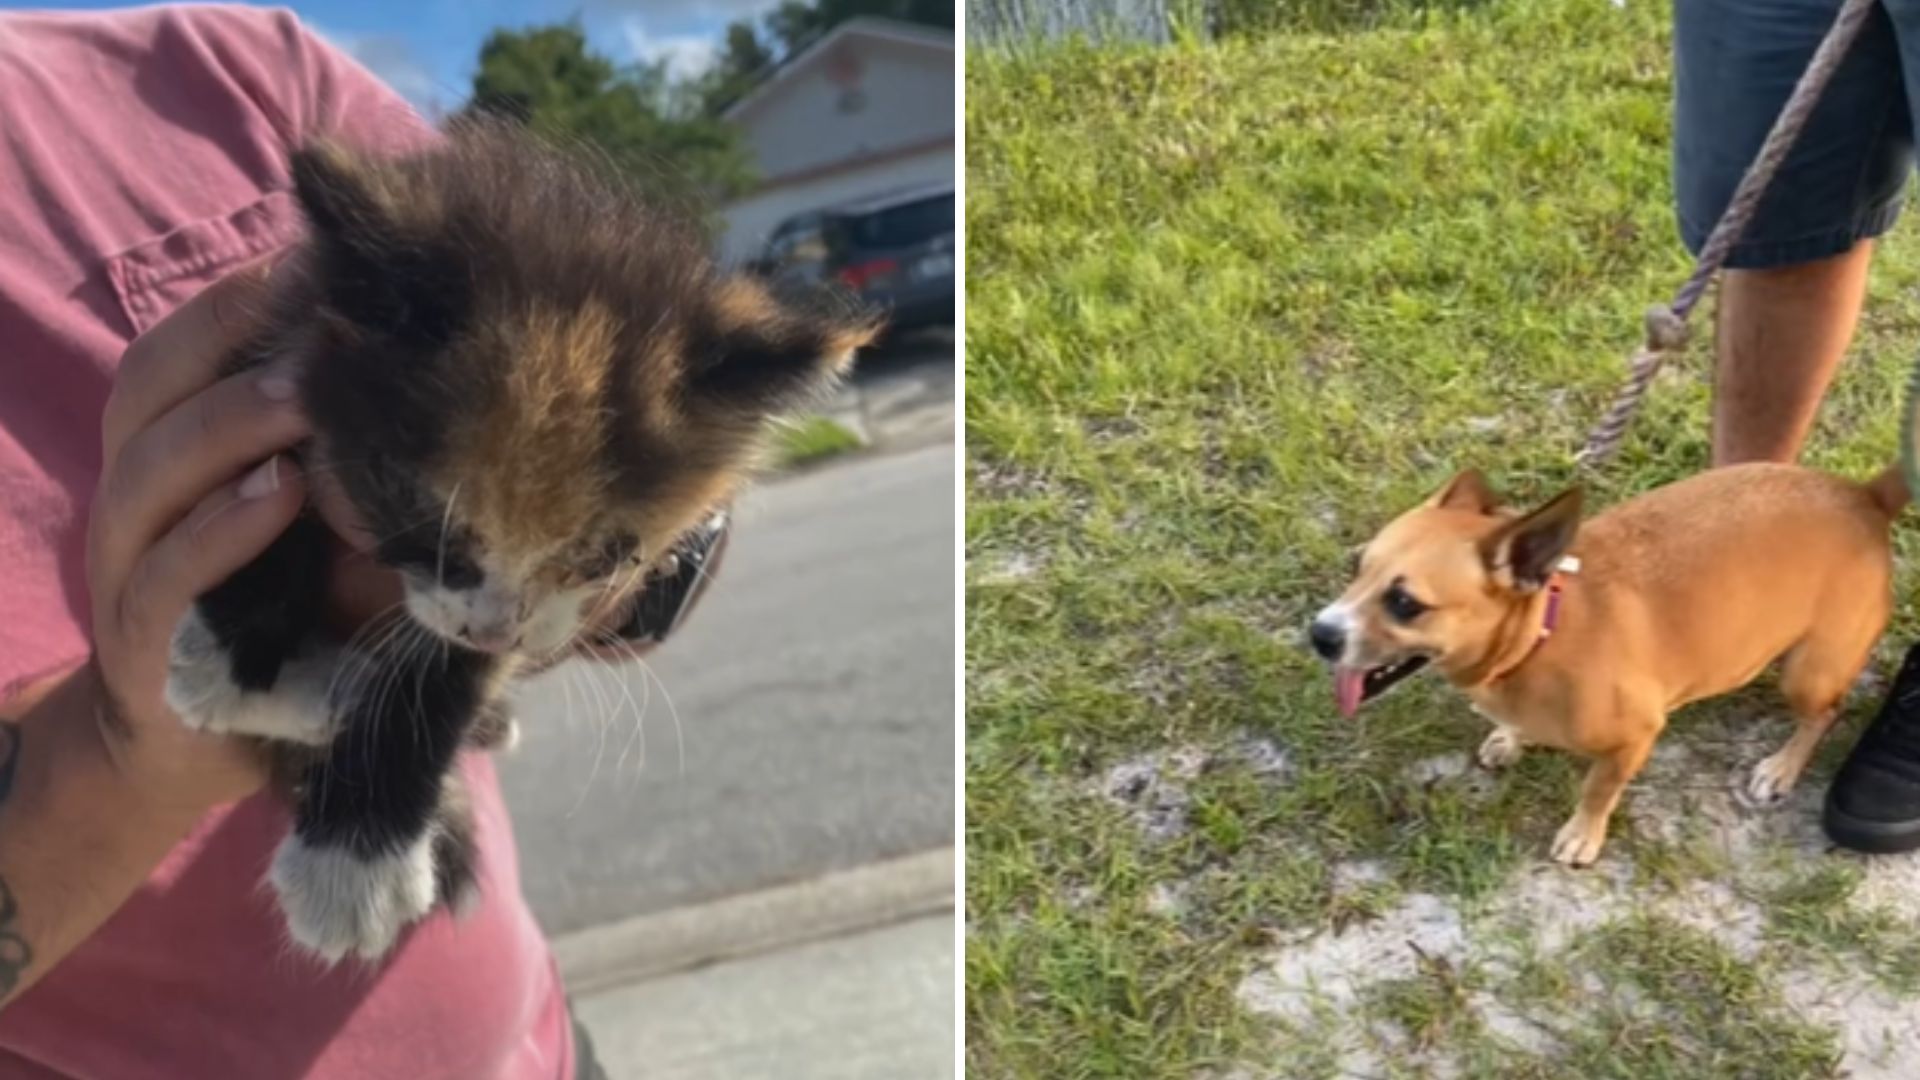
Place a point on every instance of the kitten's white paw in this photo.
(338, 902)
(1501, 748)
(201, 691)
(199, 673)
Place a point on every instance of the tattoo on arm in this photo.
(14, 953)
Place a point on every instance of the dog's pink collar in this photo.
(1551, 619)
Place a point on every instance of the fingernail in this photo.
(277, 388)
(262, 481)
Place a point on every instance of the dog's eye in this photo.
(1402, 605)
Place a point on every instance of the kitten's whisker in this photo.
(383, 674)
(639, 717)
(402, 530)
(679, 736)
(421, 655)
(399, 646)
(420, 659)
(602, 705)
(640, 721)
(363, 660)
(609, 715)
(590, 633)
(566, 688)
(700, 574)
(673, 713)
(567, 696)
(622, 706)
(646, 704)
(446, 522)
(351, 658)
(615, 589)
(430, 660)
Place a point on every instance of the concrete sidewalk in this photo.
(846, 975)
(878, 1004)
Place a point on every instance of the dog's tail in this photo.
(1889, 490)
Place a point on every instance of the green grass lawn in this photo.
(1230, 307)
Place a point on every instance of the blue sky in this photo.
(426, 48)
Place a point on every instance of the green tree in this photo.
(642, 118)
(743, 59)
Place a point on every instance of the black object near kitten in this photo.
(530, 385)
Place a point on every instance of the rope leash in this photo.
(1666, 324)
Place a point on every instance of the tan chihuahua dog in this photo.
(1584, 637)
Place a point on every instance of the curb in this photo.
(646, 946)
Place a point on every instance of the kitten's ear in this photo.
(339, 194)
(380, 268)
(761, 354)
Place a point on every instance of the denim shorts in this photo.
(1735, 64)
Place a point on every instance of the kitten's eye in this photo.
(1401, 605)
(617, 552)
(424, 554)
(456, 571)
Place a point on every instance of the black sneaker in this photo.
(1874, 802)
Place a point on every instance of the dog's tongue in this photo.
(1349, 684)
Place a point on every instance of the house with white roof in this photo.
(865, 110)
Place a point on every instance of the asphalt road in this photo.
(814, 695)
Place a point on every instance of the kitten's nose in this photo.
(1329, 637)
(493, 639)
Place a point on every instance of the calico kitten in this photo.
(528, 383)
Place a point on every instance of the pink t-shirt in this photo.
(142, 156)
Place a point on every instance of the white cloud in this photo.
(392, 59)
(686, 55)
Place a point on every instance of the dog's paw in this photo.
(201, 690)
(1578, 842)
(1773, 778)
(1501, 748)
(339, 902)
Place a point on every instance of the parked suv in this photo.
(893, 250)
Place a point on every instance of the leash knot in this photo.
(1666, 330)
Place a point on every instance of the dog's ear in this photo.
(1522, 554)
(1468, 490)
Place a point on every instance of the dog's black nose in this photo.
(1329, 639)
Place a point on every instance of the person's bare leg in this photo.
(1780, 337)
